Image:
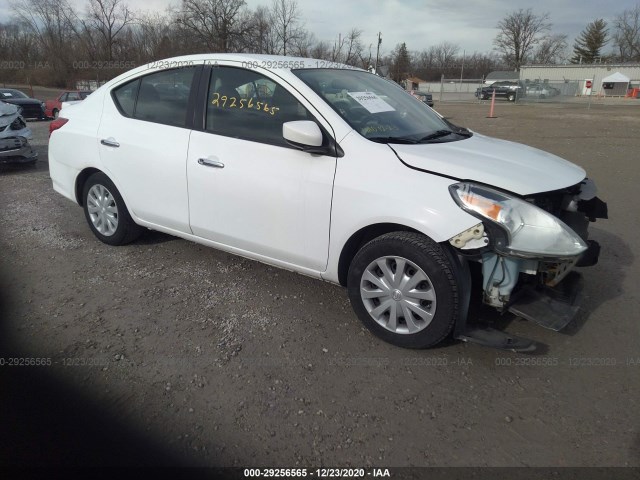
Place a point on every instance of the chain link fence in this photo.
(453, 89)
(526, 92)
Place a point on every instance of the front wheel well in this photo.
(80, 181)
(359, 239)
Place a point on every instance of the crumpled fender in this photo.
(8, 114)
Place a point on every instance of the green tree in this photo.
(401, 63)
(589, 44)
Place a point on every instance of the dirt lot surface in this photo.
(165, 352)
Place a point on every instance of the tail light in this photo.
(56, 124)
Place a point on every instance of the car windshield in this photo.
(378, 109)
(12, 94)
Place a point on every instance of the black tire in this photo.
(433, 261)
(126, 230)
(511, 97)
(55, 113)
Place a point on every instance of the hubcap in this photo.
(398, 295)
(103, 210)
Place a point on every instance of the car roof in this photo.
(271, 62)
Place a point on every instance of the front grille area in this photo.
(556, 201)
(31, 111)
(13, 143)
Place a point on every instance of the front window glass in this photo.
(379, 109)
(247, 105)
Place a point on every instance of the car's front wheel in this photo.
(55, 113)
(106, 212)
(402, 286)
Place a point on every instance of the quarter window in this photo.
(125, 97)
(244, 104)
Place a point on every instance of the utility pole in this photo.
(378, 51)
(462, 69)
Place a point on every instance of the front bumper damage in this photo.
(545, 291)
(14, 137)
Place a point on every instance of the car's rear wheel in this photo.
(106, 212)
(55, 113)
(402, 287)
(511, 97)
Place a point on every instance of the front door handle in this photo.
(210, 163)
(109, 142)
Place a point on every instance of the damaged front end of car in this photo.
(528, 248)
(14, 137)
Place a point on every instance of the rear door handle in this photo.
(109, 142)
(210, 163)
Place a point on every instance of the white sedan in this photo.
(335, 173)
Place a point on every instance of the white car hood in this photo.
(507, 165)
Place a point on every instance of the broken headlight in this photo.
(530, 231)
(18, 124)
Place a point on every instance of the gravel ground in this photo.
(165, 352)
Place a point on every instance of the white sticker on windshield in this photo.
(6, 94)
(372, 102)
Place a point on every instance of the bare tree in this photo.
(321, 50)
(262, 35)
(444, 55)
(285, 20)
(353, 47)
(52, 23)
(552, 49)
(220, 25)
(108, 18)
(520, 32)
(627, 34)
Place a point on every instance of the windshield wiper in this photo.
(462, 131)
(435, 135)
(405, 140)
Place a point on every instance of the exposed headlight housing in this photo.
(530, 231)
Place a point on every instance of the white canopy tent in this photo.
(616, 78)
(615, 84)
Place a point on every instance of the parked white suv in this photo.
(335, 173)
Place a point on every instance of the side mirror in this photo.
(303, 134)
(306, 135)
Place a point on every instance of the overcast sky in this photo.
(421, 23)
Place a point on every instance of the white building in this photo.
(609, 80)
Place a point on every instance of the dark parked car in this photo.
(541, 91)
(31, 108)
(504, 89)
(424, 97)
